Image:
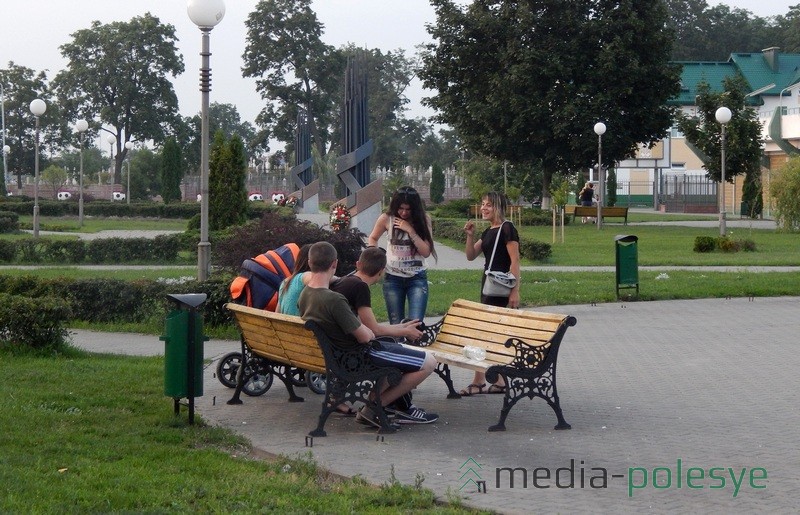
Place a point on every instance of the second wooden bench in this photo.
(520, 345)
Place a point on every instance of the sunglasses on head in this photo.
(408, 191)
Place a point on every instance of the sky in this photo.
(383, 24)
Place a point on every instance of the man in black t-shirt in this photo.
(355, 288)
(330, 310)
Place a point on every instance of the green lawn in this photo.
(94, 434)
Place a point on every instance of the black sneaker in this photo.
(367, 417)
(413, 415)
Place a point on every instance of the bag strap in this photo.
(494, 249)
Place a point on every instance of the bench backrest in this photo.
(473, 324)
(279, 337)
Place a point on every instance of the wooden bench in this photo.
(591, 211)
(277, 343)
(521, 346)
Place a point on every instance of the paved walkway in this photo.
(649, 387)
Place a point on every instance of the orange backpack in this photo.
(258, 281)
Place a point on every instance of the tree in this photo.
(55, 177)
(171, 171)
(437, 183)
(145, 174)
(526, 81)
(20, 86)
(743, 132)
(227, 196)
(284, 43)
(118, 76)
(611, 187)
(785, 190)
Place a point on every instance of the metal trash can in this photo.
(627, 262)
(183, 352)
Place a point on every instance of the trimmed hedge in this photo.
(112, 300)
(161, 249)
(9, 222)
(38, 323)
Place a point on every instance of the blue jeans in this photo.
(395, 291)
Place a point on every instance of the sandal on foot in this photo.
(473, 389)
(345, 410)
(496, 388)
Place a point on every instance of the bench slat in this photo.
(495, 333)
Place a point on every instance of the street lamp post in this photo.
(80, 127)
(37, 107)
(6, 151)
(111, 141)
(6, 148)
(206, 14)
(600, 129)
(723, 116)
(128, 146)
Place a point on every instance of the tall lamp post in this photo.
(80, 127)
(600, 129)
(111, 141)
(6, 151)
(206, 14)
(6, 148)
(128, 146)
(37, 107)
(723, 116)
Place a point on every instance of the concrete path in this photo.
(650, 388)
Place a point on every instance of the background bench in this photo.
(591, 211)
(278, 342)
(521, 346)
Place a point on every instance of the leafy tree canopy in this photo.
(118, 76)
(526, 81)
(743, 132)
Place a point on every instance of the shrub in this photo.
(38, 323)
(726, 244)
(165, 247)
(9, 222)
(723, 243)
(748, 245)
(8, 251)
(704, 244)
(449, 229)
(278, 228)
(458, 208)
(535, 250)
(66, 251)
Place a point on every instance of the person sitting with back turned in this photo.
(331, 311)
(355, 287)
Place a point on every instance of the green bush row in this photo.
(112, 300)
(161, 249)
(723, 243)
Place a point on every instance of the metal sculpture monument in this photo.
(352, 167)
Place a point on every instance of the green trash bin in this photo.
(183, 350)
(627, 269)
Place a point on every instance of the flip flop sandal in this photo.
(469, 391)
(496, 388)
(345, 411)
